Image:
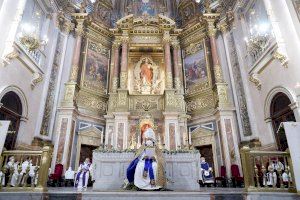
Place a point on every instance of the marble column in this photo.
(71, 87)
(76, 58)
(67, 112)
(215, 57)
(168, 64)
(221, 86)
(115, 72)
(177, 66)
(124, 61)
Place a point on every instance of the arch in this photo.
(272, 94)
(20, 94)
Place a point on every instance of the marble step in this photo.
(142, 195)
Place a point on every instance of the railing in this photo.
(267, 170)
(28, 170)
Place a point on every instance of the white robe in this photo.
(139, 180)
(15, 176)
(85, 167)
(2, 178)
(25, 165)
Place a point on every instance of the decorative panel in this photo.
(120, 133)
(48, 112)
(62, 139)
(96, 67)
(148, 7)
(172, 132)
(239, 87)
(229, 135)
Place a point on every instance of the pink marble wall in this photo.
(120, 135)
(61, 141)
(228, 129)
(172, 136)
(109, 136)
(70, 144)
(133, 136)
(221, 141)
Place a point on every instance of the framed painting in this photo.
(95, 74)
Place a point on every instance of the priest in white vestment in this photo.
(146, 171)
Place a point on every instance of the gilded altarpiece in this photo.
(146, 44)
(198, 80)
(94, 78)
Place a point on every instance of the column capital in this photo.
(211, 19)
(116, 44)
(125, 39)
(166, 37)
(80, 19)
(65, 25)
(175, 44)
(223, 26)
(226, 22)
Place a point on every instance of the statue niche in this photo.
(147, 79)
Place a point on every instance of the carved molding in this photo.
(254, 79)
(281, 58)
(36, 78)
(10, 56)
(193, 48)
(91, 101)
(123, 80)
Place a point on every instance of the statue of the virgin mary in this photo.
(146, 171)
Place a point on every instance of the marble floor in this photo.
(69, 193)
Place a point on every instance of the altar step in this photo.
(206, 194)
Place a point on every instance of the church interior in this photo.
(211, 86)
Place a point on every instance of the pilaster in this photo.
(124, 61)
(168, 63)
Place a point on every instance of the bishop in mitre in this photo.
(146, 171)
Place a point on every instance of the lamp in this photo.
(28, 36)
(259, 35)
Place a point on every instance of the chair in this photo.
(69, 177)
(56, 178)
(237, 180)
(221, 179)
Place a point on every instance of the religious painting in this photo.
(145, 7)
(172, 136)
(96, 67)
(195, 67)
(147, 78)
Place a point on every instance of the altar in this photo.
(182, 169)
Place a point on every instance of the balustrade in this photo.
(25, 170)
(267, 170)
